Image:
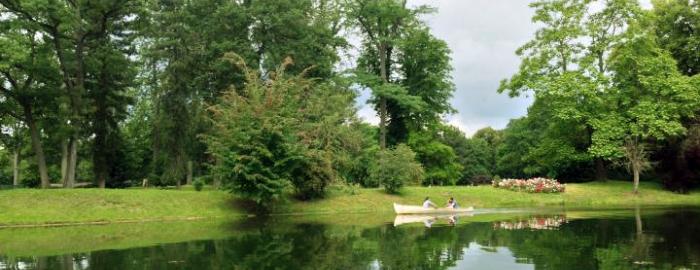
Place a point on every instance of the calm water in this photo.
(628, 239)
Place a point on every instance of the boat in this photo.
(416, 209)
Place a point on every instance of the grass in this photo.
(60, 206)
(610, 194)
(75, 206)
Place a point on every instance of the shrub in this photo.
(312, 175)
(198, 184)
(534, 185)
(395, 168)
(279, 132)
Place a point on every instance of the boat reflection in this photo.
(429, 220)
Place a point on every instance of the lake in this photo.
(620, 239)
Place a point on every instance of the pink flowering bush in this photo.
(534, 185)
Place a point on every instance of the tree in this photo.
(75, 30)
(546, 66)
(382, 24)
(493, 139)
(565, 66)
(395, 168)
(675, 24)
(307, 31)
(518, 139)
(277, 133)
(12, 133)
(28, 81)
(676, 27)
(476, 155)
(425, 68)
(650, 99)
(439, 160)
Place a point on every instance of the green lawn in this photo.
(611, 194)
(60, 206)
(34, 206)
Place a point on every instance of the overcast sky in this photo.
(483, 36)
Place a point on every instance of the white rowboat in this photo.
(416, 209)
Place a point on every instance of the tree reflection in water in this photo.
(669, 240)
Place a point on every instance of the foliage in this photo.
(361, 151)
(438, 159)
(425, 68)
(395, 168)
(388, 28)
(278, 133)
(198, 184)
(473, 155)
(649, 102)
(676, 27)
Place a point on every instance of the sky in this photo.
(483, 36)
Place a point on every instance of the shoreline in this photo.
(31, 208)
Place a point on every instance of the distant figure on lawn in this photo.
(427, 203)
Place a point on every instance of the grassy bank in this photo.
(59, 206)
(611, 194)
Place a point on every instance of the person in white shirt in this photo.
(427, 203)
(452, 203)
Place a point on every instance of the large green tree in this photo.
(186, 43)
(565, 66)
(382, 25)
(28, 81)
(648, 101)
(78, 33)
(676, 23)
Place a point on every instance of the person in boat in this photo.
(428, 204)
(451, 203)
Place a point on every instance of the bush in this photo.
(312, 175)
(534, 185)
(279, 132)
(396, 167)
(198, 184)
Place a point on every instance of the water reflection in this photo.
(533, 223)
(669, 240)
(428, 220)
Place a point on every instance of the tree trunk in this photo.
(601, 173)
(635, 171)
(382, 123)
(217, 182)
(101, 181)
(189, 172)
(71, 162)
(15, 168)
(64, 162)
(36, 144)
(382, 101)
